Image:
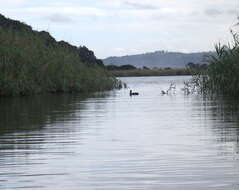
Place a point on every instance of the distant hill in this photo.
(160, 59)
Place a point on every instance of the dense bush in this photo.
(121, 67)
(34, 62)
(197, 66)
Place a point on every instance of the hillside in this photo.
(33, 62)
(160, 59)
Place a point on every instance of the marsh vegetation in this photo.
(33, 62)
(222, 74)
(151, 72)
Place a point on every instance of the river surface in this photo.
(111, 141)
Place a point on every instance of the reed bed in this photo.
(222, 76)
(33, 62)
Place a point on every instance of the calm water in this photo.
(115, 142)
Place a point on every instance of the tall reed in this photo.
(33, 62)
(222, 76)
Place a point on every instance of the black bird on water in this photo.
(133, 93)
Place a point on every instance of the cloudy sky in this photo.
(121, 27)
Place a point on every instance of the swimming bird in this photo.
(133, 93)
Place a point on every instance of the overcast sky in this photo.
(121, 27)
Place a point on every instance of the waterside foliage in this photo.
(151, 72)
(222, 76)
(33, 62)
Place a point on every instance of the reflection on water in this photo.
(114, 141)
(224, 123)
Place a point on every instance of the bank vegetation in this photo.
(33, 62)
(222, 75)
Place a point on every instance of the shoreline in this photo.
(152, 72)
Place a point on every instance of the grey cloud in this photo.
(234, 12)
(59, 18)
(213, 12)
(216, 12)
(140, 5)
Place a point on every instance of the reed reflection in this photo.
(33, 113)
(222, 118)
